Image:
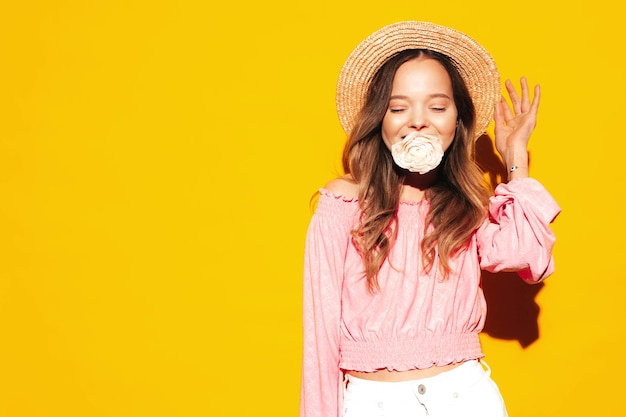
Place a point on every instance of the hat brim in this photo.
(474, 63)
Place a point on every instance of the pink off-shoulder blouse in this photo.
(416, 320)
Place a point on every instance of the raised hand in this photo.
(513, 127)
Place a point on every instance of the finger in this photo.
(515, 101)
(498, 116)
(525, 104)
(505, 111)
(537, 96)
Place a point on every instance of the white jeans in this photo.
(465, 391)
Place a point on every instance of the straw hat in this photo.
(475, 65)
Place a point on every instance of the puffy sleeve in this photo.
(326, 244)
(517, 234)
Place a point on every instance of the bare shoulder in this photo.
(343, 186)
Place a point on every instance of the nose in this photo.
(418, 120)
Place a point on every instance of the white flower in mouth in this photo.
(418, 152)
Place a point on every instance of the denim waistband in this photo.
(463, 375)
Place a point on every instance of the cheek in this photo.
(448, 131)
(387, 132)
(448, 137)
(447, 142)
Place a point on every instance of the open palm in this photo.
(513, 127)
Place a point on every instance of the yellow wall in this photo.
(156, 163)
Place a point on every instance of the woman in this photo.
(392, 299)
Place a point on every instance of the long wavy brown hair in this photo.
(458, 198)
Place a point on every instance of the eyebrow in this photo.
(435, 95)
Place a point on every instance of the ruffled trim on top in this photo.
(344, 199)
(326, 193)
(337, 207)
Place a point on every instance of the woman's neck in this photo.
(415, 185)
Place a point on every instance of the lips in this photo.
(418, 152)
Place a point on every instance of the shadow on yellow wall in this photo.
(513, 312)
